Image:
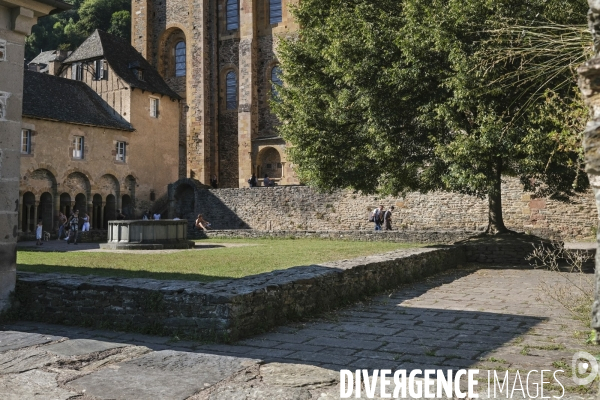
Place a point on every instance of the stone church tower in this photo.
(220, 56)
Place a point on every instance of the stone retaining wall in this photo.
(298, 208)
(222, 310)
(443, 237)
(401, 236)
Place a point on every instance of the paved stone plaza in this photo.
(489, 318)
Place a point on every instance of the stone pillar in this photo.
(16, 20)
(248, 100)
(141, 27)
(36, 205)
(199, 130)
(589, 83)
(28, 220)
(101, 215)
(118, 202)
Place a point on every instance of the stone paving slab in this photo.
(18, 340)
(503, 324)
(160, 375)
(77, 347)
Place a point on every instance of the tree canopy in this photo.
(67, 30)
(394, 95)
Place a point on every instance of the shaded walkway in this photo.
(486, 318)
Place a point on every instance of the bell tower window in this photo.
(180, 59)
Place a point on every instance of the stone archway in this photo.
(97, 212)
(46, 211)
(29, 212)
(65, 204)
(185, 202)
(80, 203)
(110, 210)
(127, 206)
(269, 163)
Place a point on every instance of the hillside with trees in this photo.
(69, 29)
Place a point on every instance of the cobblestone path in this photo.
(491, 319)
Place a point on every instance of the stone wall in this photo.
(300, 208)
(408, 236)
(223, 310)
(16, 20)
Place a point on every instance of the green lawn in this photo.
(262, 255)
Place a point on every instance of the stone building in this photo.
(221, 58)
(100, 137)
(16, 20)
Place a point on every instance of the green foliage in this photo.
(69, 29)
(387, 96)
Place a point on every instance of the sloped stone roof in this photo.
(58, 99)
(45, 58)
(123, 59)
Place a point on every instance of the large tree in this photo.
(387, 96)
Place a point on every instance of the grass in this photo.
(258, 256)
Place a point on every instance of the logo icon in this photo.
(584, 363)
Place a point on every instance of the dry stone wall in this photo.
(298, 208)
(227, 309)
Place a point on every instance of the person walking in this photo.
(62, 220)
(387, 218)
(74, 225)
(377, 217)
(213, 182)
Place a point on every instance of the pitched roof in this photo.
(123, 59)
(51, 97)
(46, 57)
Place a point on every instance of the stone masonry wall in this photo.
(301, 208)
(227, 309)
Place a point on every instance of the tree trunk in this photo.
(495, 221)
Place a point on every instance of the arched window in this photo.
(275, 80)
(231, 90)
(180, 59)
(275, 15)
(232, 15)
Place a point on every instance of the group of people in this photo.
(148, 215)
(71, 226)
(382, 218)
(267, 182)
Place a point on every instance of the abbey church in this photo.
(220, 57)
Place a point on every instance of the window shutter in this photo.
(104, 70)
(74, 71)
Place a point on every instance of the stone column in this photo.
(28, 218)
(589, 83)
(199, 130)
(101, 215)
(248, 100)
(35, 214)
(16, 20)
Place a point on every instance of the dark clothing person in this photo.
(74, 225)
(252, 181)
(213, 182)
(387, 218)
(120, 215)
